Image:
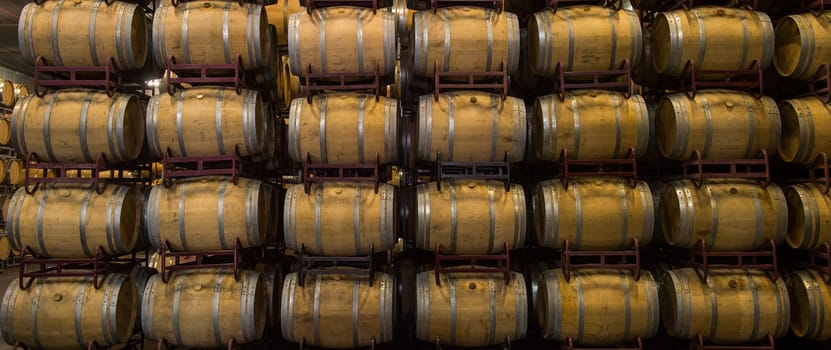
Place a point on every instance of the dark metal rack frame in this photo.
(230, 74)
(316, 4)
(500, 81)
(752, 79)
(627, 167)
(352, 81)
(819, 172)
(497, 5)
(498, 171)
(553, 5)
(317, 265)
(699, 344)
(237, 254)
(607, 259)
(820, 86)
(352, 172)
(636, 345)
(117, 173)
(232, 165)
(704, 260)
(699, 169)
(818, 260)
(601, 79)
(503, 263)
(106, 77)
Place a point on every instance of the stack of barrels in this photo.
(76, 221)
(10, 94)
(210, 307)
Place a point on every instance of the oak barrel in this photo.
(87, 220)
(806, 130)
(469, 310)
(5, 131)
(470, 217)
(715, 38)
(84, 33)
(721, 124)
(590, 124)
(78, 125)
(342, 39)
(5, 247)
(338, 311)
(278, 15)
(211, 32)
(471, 126)
(69, 312)
(799, 50)
(583, 38)
(20, 91)
(344, 128)
(593, 213)
(7, 96)
(273, 272)
(340, 218)
(810, 299)
(15, 172)
(205, 308)
(464, 39)
(809, 216)
(731, 307)
(727, 214)
(598, 306)
(206, 121)
(140, 275)
(208, 213)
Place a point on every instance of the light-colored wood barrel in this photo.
(5, 131)
(140, 275)
(809, 216)
(340, 219)
(78, 125)
(732, 214)
(339, 312)
(211, 32)
(464, 39)
(731, 307)
(87, 220)
(583, 38)
(470, 309)
(593, 213)
(344, 128)
(69, 312)
(806, 130)
(206, 121)
(590, 124)
(289, 84)
(273, 273)
(20, 91)
(810, 299)
(722, 124)
(470, 126)
(208, 213)
(7, 96)
(278, 15)
(470, 217)
(715, 38)
(15, 172)
(342, 40)
(5, 247)
(85, 33)
(799, 51)
(598, 307)
(5, 202)
(205, 308)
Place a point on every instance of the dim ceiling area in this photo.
(9, 51)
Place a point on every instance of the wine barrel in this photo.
(491, 38)
(15, 172)
(810, 306)
(797, 53)
(721, 124)
(731, 307)
(470, 217)
(5, 201)
(211, 32)
(278, 15)
(7, 97)
(5, 247)
(593, 213)
(455, 310)
(732, 214)
(204, 308)
(581, 123)
(598, 307)
(78, 125)
(344, 128)
(87, 220)
(289, 84)
(84, 33)
(809, 216)
(5, 131)
(273, 273)
(140, 275)
(340, 219)
(20, 91)
(69, 312)
(343, 39)
(715, 38)
(583, 38)
(206, 121)
(470, 126)
(337, 311)
(806, 130)
(208, 213)
(403, 20)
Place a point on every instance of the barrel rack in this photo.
(699, 169)
(614, 79)
(493, 4)
(818, 260)
(815, 6)
(704, 260)
(327, 265)
(352, 172)
(626, 167)
(498, 171)
(36, 173)
(106, 77)
(821, 85)
(233, 165)
(319, 82)
(499, 81)
(207, 259)
(767, 344)
(669, 5)
(553, 5)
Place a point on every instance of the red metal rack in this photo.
(318, 82)
(637, 345)
(607, 79)
(494, 4)
(96, 267)
(317, 265)
(700, 345)
(821, 85)
(232, 344)
(106, 77)
(818, 173)
(752, 79)
(237, 255)
(316, 4)
(816, 6)
(699, 169)
(553, 5)
(205, 74)
(352, 172)
(178, 167)
(499, 171)
(136, 341)
(503, 263)
(704, 260)
(611, 259)
(818, 260)
(627, 167)
(240, 2)
(499, 81)
(117, 173)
